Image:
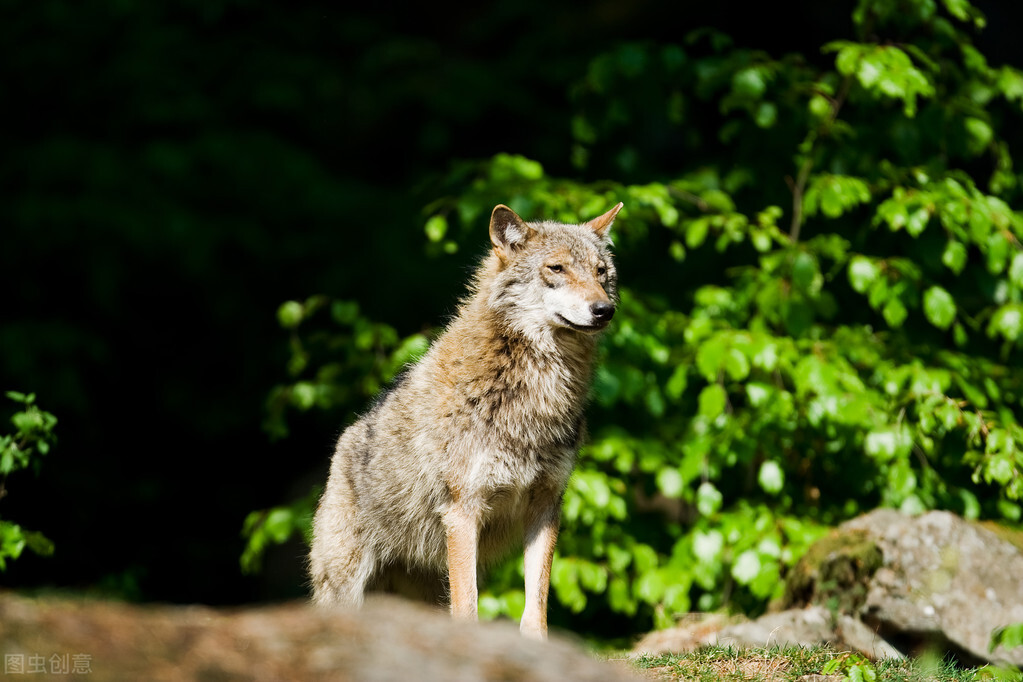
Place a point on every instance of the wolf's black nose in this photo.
(602, 310)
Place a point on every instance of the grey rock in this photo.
(786, 628)
(886, 579)
(943, 578)
(856, 635)
(810, 626)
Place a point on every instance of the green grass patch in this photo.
(816, 664)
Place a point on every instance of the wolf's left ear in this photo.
(507, 231)
(602, 224)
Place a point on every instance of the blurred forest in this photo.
(173, 172)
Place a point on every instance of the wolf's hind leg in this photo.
(340, 565)
(340, 579)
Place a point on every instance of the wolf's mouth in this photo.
(580, 327)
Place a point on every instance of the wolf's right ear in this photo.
(602, 224)
(508, 231)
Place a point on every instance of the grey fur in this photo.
(482, 432)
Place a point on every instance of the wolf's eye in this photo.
(555, 268)
(601, 269)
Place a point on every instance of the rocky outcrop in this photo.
(944, 581)
(811, 626)
(386, 640)
(887, 585)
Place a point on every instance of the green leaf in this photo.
(939, 307)
(696, 232)
(12, 542)
(894, 312)
(819, 106)
(736, 365)
(708, 546)
(710, 357)
(746, 567)
(565, 581)
(960, 9)
(862, 273)
(771, 477)
(1008, 636)
(1016, 270)
(833, 195)
(887, 443)
(650, 586)
(1007, 322)
(677, 383)
(436, 227)
(708, 498)
(289, 315)
(978, 134)
(344, 312)
(1000, 469)
(511, 167)
(670, 482)
(805, 275)
(749, 83)
(917, 222)
(592, 576)
(759, 393)
(997, 252)
(954, 256)
(303, 395)
(38, 543)
(766, 115)
(712, 401)
(9, 458)
(620, 598)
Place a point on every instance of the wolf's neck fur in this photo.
(489, 307)
(531, 386)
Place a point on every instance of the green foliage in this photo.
(276, 526)
(715, 663)
(32, 438)
(852, 667)
(822, 304)
(1008, 637)
(338, 358)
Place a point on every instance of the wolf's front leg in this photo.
(463, 540)
(542, 520)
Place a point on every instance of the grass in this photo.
(813, 664)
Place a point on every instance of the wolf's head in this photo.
(551, 275)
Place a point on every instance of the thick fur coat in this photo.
(468, 454)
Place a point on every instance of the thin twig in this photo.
(797, 198)
(690, 197)
(799, 186)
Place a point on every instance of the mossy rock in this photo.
(833, 573)
(1013, 536)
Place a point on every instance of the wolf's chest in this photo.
(532, 403)
(506, 472)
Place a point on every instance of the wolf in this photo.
(469, 451)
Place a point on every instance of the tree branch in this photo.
(799, 186)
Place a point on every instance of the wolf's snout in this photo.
(602, 310)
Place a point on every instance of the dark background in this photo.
(172, 172)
